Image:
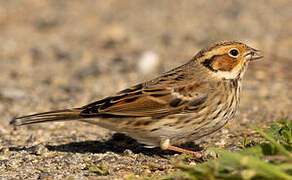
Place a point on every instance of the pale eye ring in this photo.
(233, 52)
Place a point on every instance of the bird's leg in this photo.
(178, 149)
(165, 145)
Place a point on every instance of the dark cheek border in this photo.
(207, 63)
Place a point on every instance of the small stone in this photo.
(45, 176)
(128, 152)
(221, 143)
(3, 150)
(12, 93)
(148, 62)
(147, 171)
(39, 149)
(225, 131)
(209, 154)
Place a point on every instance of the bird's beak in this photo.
(253, 54)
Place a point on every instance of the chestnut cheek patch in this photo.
(220, 62)
(224, 63)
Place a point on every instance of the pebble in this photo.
(148, 62)
(209, 154)
(221, 143)
(39, 149)
(128, 153)
(12, 93)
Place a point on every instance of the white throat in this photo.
(237, 72)
(227, 74)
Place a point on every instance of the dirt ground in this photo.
(59, 54)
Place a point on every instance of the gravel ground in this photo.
(58, 54)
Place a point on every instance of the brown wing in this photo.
(143, 101)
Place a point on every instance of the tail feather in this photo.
(60, 115)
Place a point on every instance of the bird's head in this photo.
(227, 59)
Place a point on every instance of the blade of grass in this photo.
(262, 168)
(274, 142)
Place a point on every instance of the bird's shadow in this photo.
(117, 144)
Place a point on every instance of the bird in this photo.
(181, 105)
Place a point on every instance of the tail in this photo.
(61, 115)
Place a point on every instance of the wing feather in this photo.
(153, 101)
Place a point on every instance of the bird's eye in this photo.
(233, 53)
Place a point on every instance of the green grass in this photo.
(102, 170)
(267, 160)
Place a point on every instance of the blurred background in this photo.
(58, 54)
